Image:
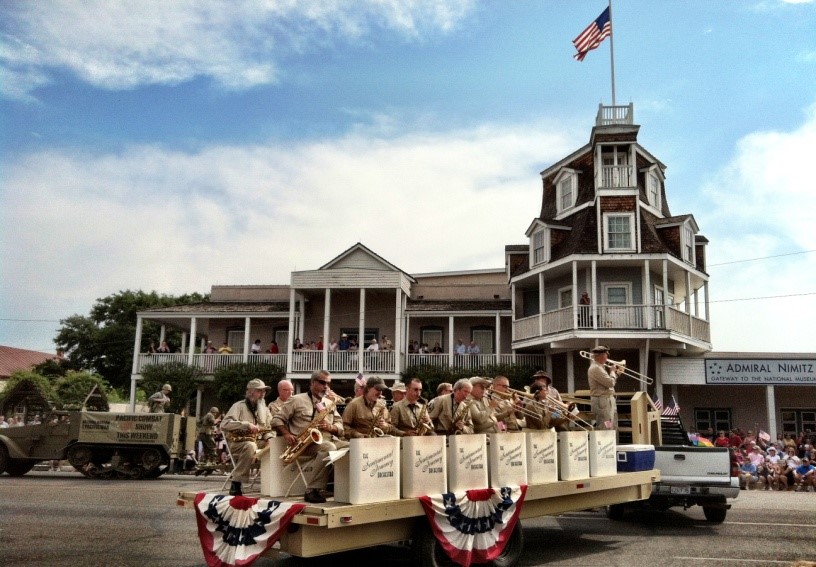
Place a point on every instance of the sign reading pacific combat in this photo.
(101, 427)
(765, 372)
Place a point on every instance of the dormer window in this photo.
(566, 189)
(540, 249)
(653, 189)
(688, 244)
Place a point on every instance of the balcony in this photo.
(662, 318)
(341, 362)
(614, 115)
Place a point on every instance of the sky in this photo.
(171, 146)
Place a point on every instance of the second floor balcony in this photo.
(343, 362)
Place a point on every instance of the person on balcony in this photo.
(273, 348)
(473, 348)
(163, 348)
(256, 347)
(210, 348)
(334, 346)
(437, 349)
(460, 347)
(373, 346)
(386, 343)
(225, 349)
(344, 343)
(584, 318)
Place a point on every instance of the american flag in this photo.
(593, 35)
(673, 409)
(658, 404)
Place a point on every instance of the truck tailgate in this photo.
(693, 465)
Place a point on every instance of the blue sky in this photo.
(172, 146)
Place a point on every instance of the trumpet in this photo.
(620, 368)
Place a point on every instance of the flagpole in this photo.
(612, 52)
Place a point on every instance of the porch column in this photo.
(191, 354)
(247, 330)
(397, 330)
(658, 383)
(184, 342)
(770, 400)
(570, 372)
(574, 294)
(137, 349)
(199, 393)
(648, 298)
(707, 315)
(361, 333)
(326, 319)
(665, 292)
(162, 334)
(513, 310)
(291, 337)
(542, 306)
(498, 337)
(594, 293)
(451, 345)
(644, 363)
(688, 304)
(302, 318)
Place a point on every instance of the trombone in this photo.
(533, 406)
(621, 368)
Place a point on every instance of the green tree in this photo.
(230, 382)
(102, 342)
(184, 379)
(42, 383)
(74, 388)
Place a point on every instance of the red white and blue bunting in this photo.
(235, 530)
(475, 525)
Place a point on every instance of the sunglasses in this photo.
(323, 382)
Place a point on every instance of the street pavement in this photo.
(63, 519)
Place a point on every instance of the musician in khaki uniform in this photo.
(285, 391)
(508, 410)
(367, 415)
(409, 412)
(246, 428)
(482, 414)
(450, 412)
(296, 417)
(602, 389)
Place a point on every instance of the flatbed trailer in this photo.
(333, 527)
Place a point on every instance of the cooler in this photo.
(635, 458)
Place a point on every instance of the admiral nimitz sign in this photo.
(765, 372)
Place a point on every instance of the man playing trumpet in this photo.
(246, 428)
(297, 416)
(602, 389)
(451, 412)
(410, 415)
(367, 415)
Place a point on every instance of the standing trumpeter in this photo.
(246, 428)
(300, 414)
(410, 415)
(450, 412)
(367, 415)
(602, 389)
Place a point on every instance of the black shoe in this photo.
(313, 496)
(235, 489)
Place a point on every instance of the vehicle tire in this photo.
(714, 515)
(18, 467)
(427, 552)
(4, 458)
(615, 512)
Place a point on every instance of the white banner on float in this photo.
(424, 466)
(467, 462)
(508, 459)
(542, 456)
(603, 453)
(573, 455)
(370, 472)
(277, 477)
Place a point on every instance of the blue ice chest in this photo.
(633, 458)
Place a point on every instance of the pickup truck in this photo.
(689, 475)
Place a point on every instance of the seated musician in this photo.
(450, 413)
(481, 412)
(247, 428)
(411, 411)
(509, 411)
(302, 412)
(537, 412)
(367, 415)
(557, 411)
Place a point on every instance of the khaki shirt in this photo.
(484, 420)
(359, 420)
(240, 417)
(601, 382)
(442, 414)
(275, 407)
(207, 424)
(299, 411)
(507, 413)
(404, 417)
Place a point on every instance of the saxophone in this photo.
(310, 435)
(423, 425)
(246, 435)
(377, 414)
(460, 414)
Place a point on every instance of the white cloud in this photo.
(88, 225)
(120, 45)
(762, 207)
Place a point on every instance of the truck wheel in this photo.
(18, 467)
(714, 515)
(615, 512)
(427, 552)
(4, 458)
(512, 550)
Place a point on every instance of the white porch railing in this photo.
(616, 176)
(209, 363)
(474, 360)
